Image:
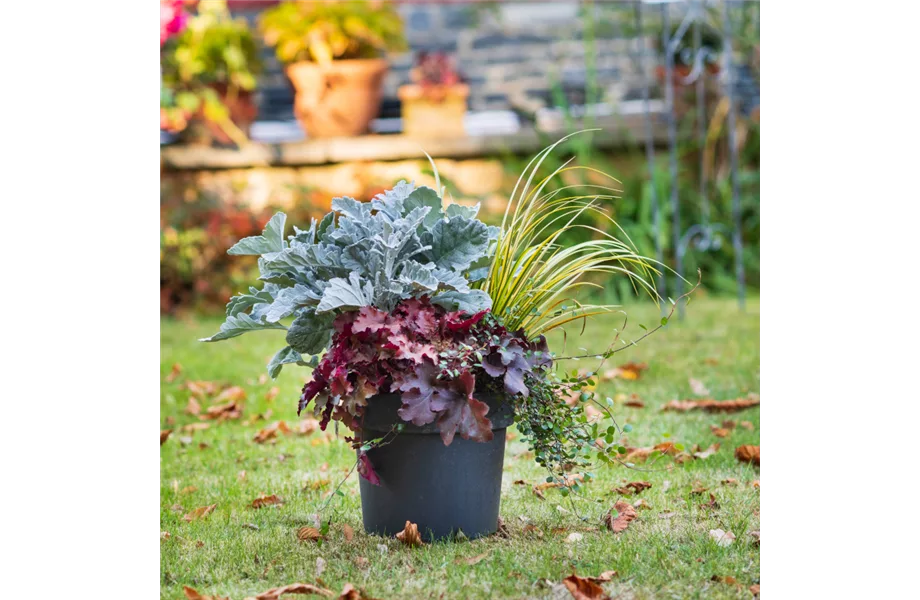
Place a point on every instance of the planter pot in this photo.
(442, 489)
(435, 111)
(338, 99)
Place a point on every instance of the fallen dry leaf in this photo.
(348, 532)
(641, 503)
(722, 538)
(271, 431)
(350, 592)
(271, 394)
(698, 387)
(747, 425)
(567, 481)
(637, 454)
(473, 560)
(233, 393)
(749, 454)
(634, 487)
(625, 514)
(726, 579)
(199, 513)
(202, 389)
(756, 535)
(222, 412)
(307, 426)
(704, 454)
(583, 588)
(174, 372)
(362, 563)
(188, 489)
(630, 372)
(719, 431)
(710, 405)
(164, 435)
(308, 533)
(294, 588)
(531, 528)
(712, 504)
(193, 427)
(755, 589)
(502, 530)
(165, 535)
(193, 594)
(730, 481)
(266, 501)
(634, 402)
(698, 488)
(756, 485)
(409, 536)
(193, 408)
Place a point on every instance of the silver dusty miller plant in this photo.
(400, 245)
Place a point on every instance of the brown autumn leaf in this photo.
(625, 514)
(703, 454)
(348, 532)
(502, 529)
(727, 579)
(728, 424)
(719, 431)
(756, 485)
(698, 387)
(193, 408)
(192, 427)
(350, 592)
(188, 489)
(174, 372)
(747, 425)
(603, 577)
(473, 560)
(272, 394)
(710, 405)
(193, 594)
(271, 432)
(749, 454)
(266, 501)
(164, 435)
(519, 482)
(567, 481)
(755, 589)
(294, 588)
(637, 454)
(756, 535)
(583, 588)
(712, 504)
(730, 481)
(629, 371)
(234, 393)
(698, 488)
(409, 536)
(199, 513)
(531, 528)
(634, 487)
(634, 402)
(202, 389)
(308, 533)
(307, 426)
(222, 412)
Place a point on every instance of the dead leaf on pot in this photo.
(164, 435)
(193, 594)
(619, 522)
(410, 536)
(271, 432)
(294, 588)
(174, 372)
(262, 501)
(473, 560)
(634, 487)
(710, 405)
(193, 408)
(749, 454)
(583, 588)
(308, 533)
(199, 513)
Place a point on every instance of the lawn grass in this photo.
(667, 552)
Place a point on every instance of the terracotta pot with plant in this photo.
(424, 328)
(333, 54)
(209, 74)
(435, 103)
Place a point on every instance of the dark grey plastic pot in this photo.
(442, 489)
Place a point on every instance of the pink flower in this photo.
(172, 19)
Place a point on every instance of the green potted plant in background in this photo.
(209, 75)
(333, 55)
(434, 104)
(433, 324)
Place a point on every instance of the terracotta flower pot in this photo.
(338, 99)
(435, 111)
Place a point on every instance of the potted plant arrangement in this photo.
(425, 328)
(434, 104)
(209, 73)
(333, 55)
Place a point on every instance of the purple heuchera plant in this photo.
(438, 360)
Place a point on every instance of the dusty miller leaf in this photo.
(239, 324)
(271, 240)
